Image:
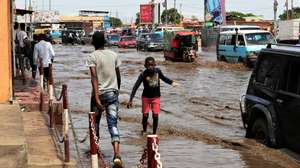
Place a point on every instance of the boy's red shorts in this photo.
(151, 103)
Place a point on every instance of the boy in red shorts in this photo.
(151, 94)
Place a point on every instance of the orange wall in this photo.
(5, 52)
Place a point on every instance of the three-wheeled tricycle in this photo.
(181, 46)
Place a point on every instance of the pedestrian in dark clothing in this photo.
(29, 48)
(151, 94)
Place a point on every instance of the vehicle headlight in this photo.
(243, 104)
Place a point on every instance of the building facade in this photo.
(6, 90)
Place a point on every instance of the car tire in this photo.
(247, 63)
(221, 58)
(260, 131)
(218, 58)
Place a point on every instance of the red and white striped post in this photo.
(93, 143)
(151, 139)
(41, 70)
(50, 93)
(66, 122)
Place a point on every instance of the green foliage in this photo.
(296, 14)
(173, 16)
(137, 20)
(115, 22)
(234, 15)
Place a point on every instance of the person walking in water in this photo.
(106, 80)
(151, 94)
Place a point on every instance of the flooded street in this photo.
(199, 125)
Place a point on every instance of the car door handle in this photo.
(279, 101)
(222, 50)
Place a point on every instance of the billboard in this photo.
(146, 12)
(215, 12)
(46, 17)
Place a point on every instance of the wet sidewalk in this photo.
(25, 137)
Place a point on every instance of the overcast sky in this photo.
(126, 9)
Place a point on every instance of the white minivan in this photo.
(239, 27)
(242, 46)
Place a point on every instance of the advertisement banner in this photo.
(146, 14)
(215, 11)
(46, 17)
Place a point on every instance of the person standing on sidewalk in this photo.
(29, 48)
(151, 94)
(43, 51)
(106, 80)
(21, 36)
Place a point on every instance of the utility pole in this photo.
(166, 10)
(153, 14)
(292, 8)
(180, 9)
(275, 6)
(25, 4)
(175, 13)
(174, 4)
(30, 6)
(49, 5)
(287, 9)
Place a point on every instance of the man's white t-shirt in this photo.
(106, 62)
(21, 36)
(43, 50)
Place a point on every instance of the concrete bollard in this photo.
(151, 153)
(50, 93)
(41, 70)
(66, 122)
(93, 143)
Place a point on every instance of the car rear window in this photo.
(293, 81)
(269, 70)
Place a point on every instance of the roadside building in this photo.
(6, 51)
(87, 23)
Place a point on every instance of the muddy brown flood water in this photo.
(199, 125)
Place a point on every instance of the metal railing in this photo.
(150, 157)
(65, 114)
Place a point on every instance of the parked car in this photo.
(154, 42)
(127, 42)
(242, 45)
(141, 41)
(113, 39)
(72, 36)
(270, 109)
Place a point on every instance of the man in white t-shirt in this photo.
(43, 50)
(106, 80)
(21, 36)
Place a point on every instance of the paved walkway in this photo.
(25, 138)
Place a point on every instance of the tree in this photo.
(137, 20)
(296, 14)
(173, 16)
(233, 15)
(115, 22)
